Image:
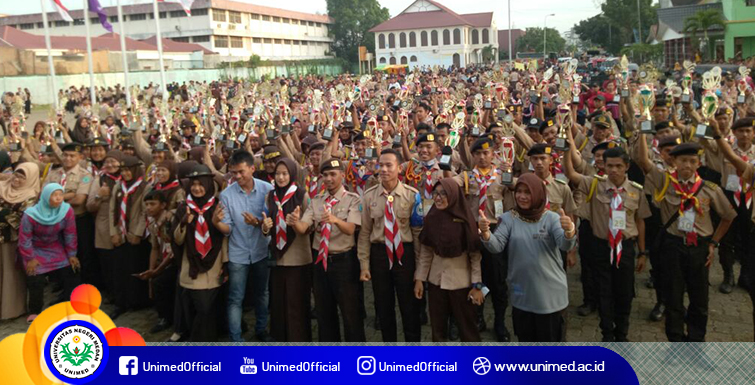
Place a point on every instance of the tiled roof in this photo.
(434, 19)
(175, 46)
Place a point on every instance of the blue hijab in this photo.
(42, 213)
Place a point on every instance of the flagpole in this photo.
(123, 54)
(92, 95)
(49, 56)
(159, 39)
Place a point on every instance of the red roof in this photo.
(175, 46)
(445, 17)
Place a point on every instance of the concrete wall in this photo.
(40, 85)
(741, 26)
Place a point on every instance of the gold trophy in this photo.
(624, 74)
(711, 82)
(647, 101)
(742, 84)
(564, 120)
(689, 67)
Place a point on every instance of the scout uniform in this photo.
(164, 284)
(585, 144)
(89, 166)
(487, 192)
(336, 271)
(558, 193)
(76, 180)
(613, 212)
(392, 271)
(423, 175)
(685, 246)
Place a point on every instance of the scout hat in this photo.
(601, 121)
(689, 148)
(429, 137)
(199, 171)
(98, 141)
(604, 146)
(330, 164)
(73, 146)
(744, 122)
(271, 153)
(671, 140)
(483, 143)
(539, 149)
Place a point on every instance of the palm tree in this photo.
(703, 21)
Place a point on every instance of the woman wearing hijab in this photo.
(81, 132)
(16, 195)
(291, 277)
(537, 279)
(127, 224)
(166, 181)
(98, 204)
(203, 252)
(451, 263)
(47, 247)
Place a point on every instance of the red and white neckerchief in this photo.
(109, 131)
(429, 181)
(614, 235)
(392, 232)
(484, 181)
(280, 220)
(63, 179)
(202, 240)
(312, 188)
(688, 200)
(322, 253)
(127, 191)
(161, 187)
(743, 185)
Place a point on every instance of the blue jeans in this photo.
(237, 276)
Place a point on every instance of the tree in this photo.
(703, 21)
(532, 41)
(352, 20)
(615, 26)
(598, 31)
(487, 54)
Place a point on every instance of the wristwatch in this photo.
(715, 244)
(643, 253)
(477, 285)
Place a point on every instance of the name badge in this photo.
(732, 183)
(687, 221)
(619, 220)
(498, 209)
(426, 205)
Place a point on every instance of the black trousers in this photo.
(444, 303)
(587, 262)
(734, 243)
(399, 280)
(130, 292)
(750, 266)
(338, 288)
(653, 226)
(36, 286)
(107, 268)
(90, 264)
(164, 292)
(532, 327)
(290, 287)
(683, 269)
(200, 310)
(494, 270)
(615, 288)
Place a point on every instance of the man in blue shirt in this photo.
(243, 203)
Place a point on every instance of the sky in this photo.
(530, 13)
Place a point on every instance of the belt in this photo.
(700, 240)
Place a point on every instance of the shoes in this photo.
(504, 335)
(585, 310)
(117, 312)
(727, 285)
(481, 325)
(176, 338)
(31, 318)
(263, 336)
(161, 325)
(657, 313)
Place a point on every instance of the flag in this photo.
(185, 4)
(62, 11)
(94, 6)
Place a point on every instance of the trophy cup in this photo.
(372, 133)
(562, 144)
(742, 84)
(647, 101)
(689, 67)
(711, 82)
(576, 88)
(624, 74)
(507, 155)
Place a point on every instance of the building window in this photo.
(286, 20)
(31, 25)
(237, 42)
(311, 24)
(391, 40)
(475, 37)
(413, 59)
(446, 37)
(268, 41)
(485, 36)
(402, 40)
(412, 39)
(434, 38)
(276, 19)
(234, 17)
(221, 41)
(200, 12)
(265, 18)
(81, 21)
(218, 15)
(134, 17)
(381, 41)
(296, 42)
(393, 60)
(287, 42)
(278, 41)
(113, 19)
(318, 25)
(403, 60)
(58, 23)
(304, 42)
(382, 60)
(457, 36)
(423, 38)
(200, 39)
(174, 14)
(181, 39)
(40, 24)
(163, 15)
(257, 40)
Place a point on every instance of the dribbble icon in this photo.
(366, 365)
(128, 365)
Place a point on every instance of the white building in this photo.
(428, 33)
(229, 28)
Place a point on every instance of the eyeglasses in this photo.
(440, 193)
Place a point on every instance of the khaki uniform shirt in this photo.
(136, 220)
(449, 273)
(499, 197)
(299, 253)
(160, 236)
(559, 195)
(99, 207)
(598, 210)
(77, 180)
(210, 279)
(347, 209)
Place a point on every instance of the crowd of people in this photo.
(443, 188)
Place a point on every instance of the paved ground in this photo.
(730, 316)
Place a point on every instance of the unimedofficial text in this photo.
(301, 367)
(182, 367)
(418, 367)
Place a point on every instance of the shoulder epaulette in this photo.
(371, 188)
(711, 184)
(412, 189)
(601, 177)
(635, 184)
(560, 181)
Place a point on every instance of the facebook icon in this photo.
(128, 365)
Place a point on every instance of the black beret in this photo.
(539, 149)
(199, 170)
(689, 148)
(360, 136)
(744, 122)
(664, 125)
(186, 123)
(601, 120)
(670, 140)
(73, 146)
(429, 137)
(483, 143)
(331, 164)
(98, 141)
(130, 161)
(545, 124)
(317, 146)
(534, 123)
(661, 101)
(604, 146)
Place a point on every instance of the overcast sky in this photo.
(523, 13)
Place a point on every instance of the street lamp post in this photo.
(545, 53)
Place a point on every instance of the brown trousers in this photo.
(452, 302)
(290, 287)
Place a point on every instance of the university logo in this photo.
(75, 351)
